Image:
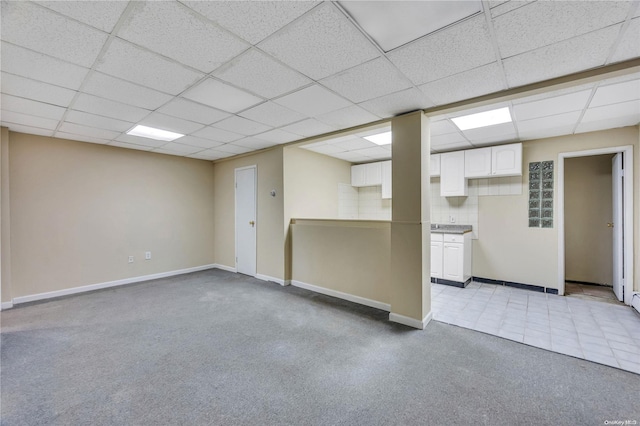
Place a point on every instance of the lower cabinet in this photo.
(451, 258)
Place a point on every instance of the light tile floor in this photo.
(592, 330)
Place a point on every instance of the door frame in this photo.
(235, 211)
(627, 196)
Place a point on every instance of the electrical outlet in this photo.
(130, 259)
(452, 219)
(147, 255)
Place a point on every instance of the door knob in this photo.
(252, 223)
(609, 225)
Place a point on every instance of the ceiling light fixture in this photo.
(152, 133)
(380, 138)
(483, 119)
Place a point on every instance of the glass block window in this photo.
(541, 194)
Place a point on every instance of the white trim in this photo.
(225, 268)
(273, 279)
(255, 209)
(627, 196)
(6, 305)
(411, 322)
(635, 302)
(341, 295)
(91, 287)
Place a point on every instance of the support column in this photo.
(411, 221)
(5, 236)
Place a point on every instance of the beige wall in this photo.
(351, 257)
(508, 249)
(270, 211)
(78, 210)
(5, 230)
(588, 205)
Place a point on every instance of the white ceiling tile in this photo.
(108, 87)
(242, 126)
(546, 22)
(278, 136)
(130, 146)
(99, 14)
(348, 117)
(552, 106)
(27, 120)
(218, 135)
(466, 85)
(37, 66)
(233, 149)
(201, 45)
(397, 103)
(367, 81)
(324, 149)
(172, 124)
(502, 7)
(315, 144)
(313, 101)
(252, 20)
(137, 140)
(254, 143)
(454, 146)
(496, 131)
(554, 93)
(209, 155)
(608, 123)
(14, 127)
(272, 114)
(475, 110)
(308, 128)
(36, 90)
(616, 93)
(193, 111)
(446, 139)
(354, 143)
(92, 120)
(108, 108)
(630, 108)
(162, 150)
(30, 107)
(40, 29)
(541, 133)
(629, 47)
(198, 142)
(222, 96)
(178, 147)
(496, 140)
(442, 127)
(377, 152)
(80, 138)
(351, 156)
(261, 74)
(566, 57)
(150, 70)
(549, 122)
(92, 132)
(321, 43)
(459, 48)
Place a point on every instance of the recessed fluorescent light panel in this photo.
(483, 119)
(151, 133)
(380, 138)
(394, 23)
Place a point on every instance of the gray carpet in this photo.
(219, 348)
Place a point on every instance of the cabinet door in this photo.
(358, 175)
(436, 259)
(452, 180)
(477, 163)
(386, 180)
(506, 160)
(453, 261)
(434, 168)
(373, 172)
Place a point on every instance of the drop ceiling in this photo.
(235, 77)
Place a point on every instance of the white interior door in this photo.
(246, 220)
(618, 227)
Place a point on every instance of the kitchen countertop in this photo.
(450, 229)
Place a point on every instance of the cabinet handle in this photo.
(252, 223)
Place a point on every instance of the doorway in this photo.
(611, 244)
(245, 220)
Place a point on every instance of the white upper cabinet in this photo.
(434, 168)
(386, 180)
(506, 160)
(366, 174)
(453, 183)
(477, 163)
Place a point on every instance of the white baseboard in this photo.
(91, 287)
(411, 322)
(225, 268)
(635, 302)
(273, 279)
(341, 295)
(6, 305)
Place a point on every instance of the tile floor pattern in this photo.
(591, 330)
